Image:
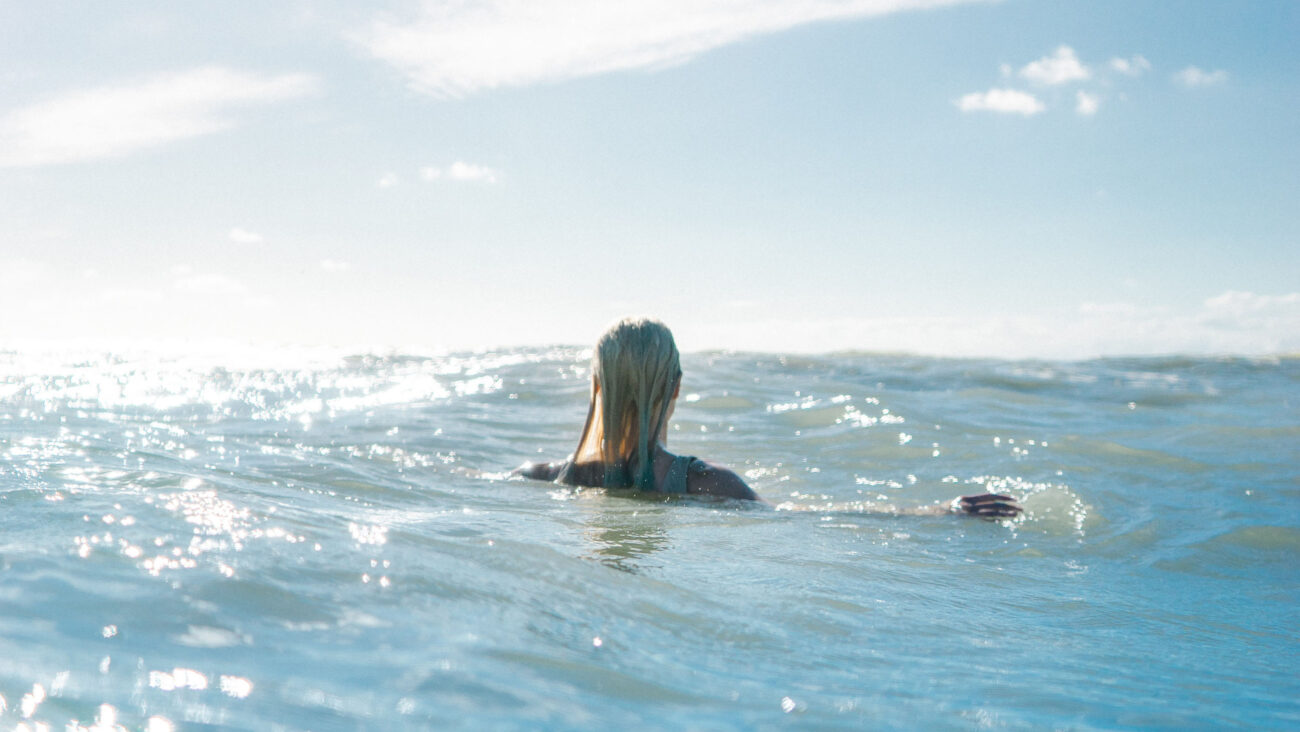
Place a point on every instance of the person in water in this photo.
(636, 377)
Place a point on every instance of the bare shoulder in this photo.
(540, 471)
(708, 479)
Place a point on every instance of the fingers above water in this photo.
(990, 505)
(987, 499)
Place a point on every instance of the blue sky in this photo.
(1056, 179)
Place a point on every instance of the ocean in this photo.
(331, 541)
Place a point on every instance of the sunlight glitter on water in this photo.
(176, 543)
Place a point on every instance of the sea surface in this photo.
(311, 541)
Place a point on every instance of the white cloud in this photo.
(1192, 77)
(468, 171)
(113, 121)
(1006, 101)
(209, 284)
(1236, 304)
(450, 49)
(244, 236)
(1059, 68)
(334, 265)
(1130, 66)
(1086, 104)
(387, 180)
(460, 171)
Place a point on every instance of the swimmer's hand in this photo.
(988, 505)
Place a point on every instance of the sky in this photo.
(1047, 179)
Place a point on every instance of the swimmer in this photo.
(636, 377)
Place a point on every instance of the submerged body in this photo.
(680, 474)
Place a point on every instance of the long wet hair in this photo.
(635, 372)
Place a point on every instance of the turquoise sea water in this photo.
(318, 542)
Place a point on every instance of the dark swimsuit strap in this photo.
(675, 479)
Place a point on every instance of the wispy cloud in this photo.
(113, 121)
(387, 180)
(450, 49)
(1086, 104)
(1005, 101)
(1130, 66)
(1059, 68)
(244, 236)
(334, 265)
(1192, 77)
(460, 171)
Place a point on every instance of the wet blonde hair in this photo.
(635, 372)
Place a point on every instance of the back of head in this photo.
(635, 370)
